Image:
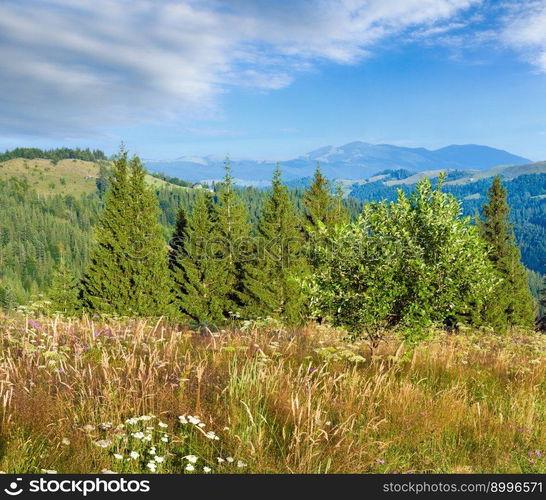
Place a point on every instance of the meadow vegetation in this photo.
(127, 395)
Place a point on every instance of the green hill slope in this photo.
(70, 176)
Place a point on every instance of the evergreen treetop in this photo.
(201, 274)
(128, 273)
(271, 280)
(513, 303)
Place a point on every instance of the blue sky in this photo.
(272, 79)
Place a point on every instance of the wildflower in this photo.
(61, 371)
(147, 437)
(134, 455)
(241, 464)
(138, 435)
(105, 426)
(230, 459)
(131, 421)
(206, 469)
(103, 443)
(211, 435)
(159, 460)
(108, 471)
(66, 441)
(380, 460)
(152, 466)
(145, 418)
(538, 453)
(117, 456)
(191, 458)
(162, 424)
(190, 467)
(152, 450)
(48, 471)
(182, 419)
(165, 439)
(220, 460)
(88, 428)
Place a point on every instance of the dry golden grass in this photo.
(74, 177)
(280, 400)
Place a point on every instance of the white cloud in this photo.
(73, 67)
(525, 30)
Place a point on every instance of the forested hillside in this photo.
(48, 211)
(526, 197)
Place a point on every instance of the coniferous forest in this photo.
(220, 328)
(301, 238)
(210, 256)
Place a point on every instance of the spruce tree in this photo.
(7, 297)
(513, 303)
(232, 231)
(323, 211)
(64, 290)
(128, 272)
(340, 214)
(201, 275)
(176, 244)
(271, 281)
(318, 202)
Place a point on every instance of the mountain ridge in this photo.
(354, 160)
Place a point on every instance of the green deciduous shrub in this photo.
(410, 264)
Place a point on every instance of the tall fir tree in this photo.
(340, 214)
(323, 211)
(271, 284)
(176, 243)
(232, 231)
(318, 201)
(7, 297)
(128, 272)
(64, 290)
(513, 303)
(322, 208)
(200, 274)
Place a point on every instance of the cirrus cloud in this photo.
(525, 30)
(77, 67)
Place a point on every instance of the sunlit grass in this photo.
(73, 394)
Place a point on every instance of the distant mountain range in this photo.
(355, 160)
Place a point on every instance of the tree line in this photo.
(525, 197)
(54, 154)
(408, 264)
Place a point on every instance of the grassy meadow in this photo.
(66, 177)
(83, 396)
